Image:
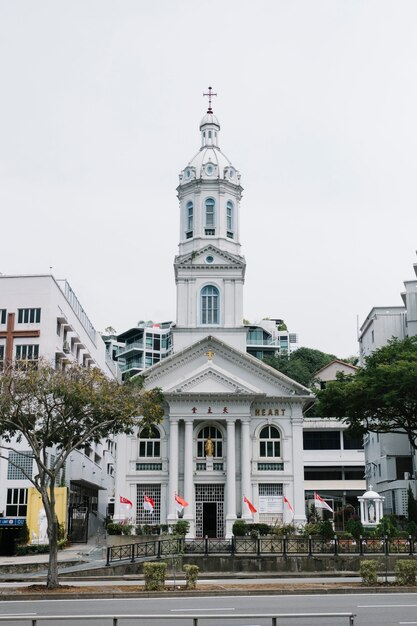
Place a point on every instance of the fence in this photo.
(262, 546)
(114, 620)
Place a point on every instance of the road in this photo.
(371, 610)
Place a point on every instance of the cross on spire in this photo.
(209, 94)
(12, 334)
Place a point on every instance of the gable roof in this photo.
(227, 371)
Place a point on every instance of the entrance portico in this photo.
(252, 417)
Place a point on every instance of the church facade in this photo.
(231, 441)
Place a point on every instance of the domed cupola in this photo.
(209, 163)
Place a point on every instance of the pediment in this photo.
(220, 258)
(209, 379)
(212, 366)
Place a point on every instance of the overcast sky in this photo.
(99, 111)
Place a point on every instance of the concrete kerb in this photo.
(207, 593)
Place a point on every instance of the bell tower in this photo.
(209, 269)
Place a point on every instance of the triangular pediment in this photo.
(211, 379)
(211, 366)
(210, 255)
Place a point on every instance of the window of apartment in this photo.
(3, 316)
(210, 218)
(1, 357)
(157, 342)
(19, 462)
(210, 305)
(269, 442)
(321, 440)
(323, 473)
(189, 210)
(403, 464)
(229, 219)
(149, 443)
(28, 316)
(149, 341)
(216, 437)
(355, 473)
(352, 442)
(27, 352)
(16, 503)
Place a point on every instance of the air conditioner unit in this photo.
(407, 476)
(66, 347)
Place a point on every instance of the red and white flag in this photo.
(126, 502)
(288, 504)
(148, 504)
(180, 503)
(250, 505)
(319, 503)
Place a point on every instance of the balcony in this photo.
(130, 349)
(133, 364)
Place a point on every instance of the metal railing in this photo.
(262, 546)
(114, 620)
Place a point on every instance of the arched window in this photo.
(229, 219)
(210, 216)
(149, 442)
(189, 218)
(216, 437)
(210, 305)
(269, 442)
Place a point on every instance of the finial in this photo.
(209, 94)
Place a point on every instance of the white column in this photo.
(297, 464)
(246, 468)
(173, 469)
(188, 476)
(230, 478)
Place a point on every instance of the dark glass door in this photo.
(209, 519)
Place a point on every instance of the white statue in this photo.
(42, 526)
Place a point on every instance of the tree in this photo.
(382, 396)
(412, 506)
(300, 365)
(65, 410)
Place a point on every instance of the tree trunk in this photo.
(49, 505)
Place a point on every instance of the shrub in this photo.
(355, 528)
(191, 575)
(154, 576)
(368, 572)
(405, 572)
(239, 528)
(411, 529)
(285, 529)
(113, 528)
(387, 526)
(311, 528)
(126, 529)
(36, 548)
(181, 527)
(343, 534)
(326, 530)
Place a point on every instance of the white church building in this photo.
(233, 427)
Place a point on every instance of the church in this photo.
(231, 442)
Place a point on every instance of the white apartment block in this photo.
(391, 464)
(41, 317)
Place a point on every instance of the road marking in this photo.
(385, 606)
(407, 622)
(216, 609)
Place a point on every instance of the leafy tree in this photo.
(382, 396)
(65, 410)
(412, 506)
(301, 365)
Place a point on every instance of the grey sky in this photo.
(100, 107)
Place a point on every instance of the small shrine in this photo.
(371, 507)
